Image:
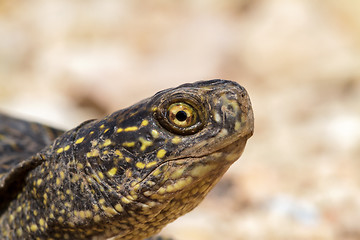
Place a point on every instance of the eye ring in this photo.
(183, 116)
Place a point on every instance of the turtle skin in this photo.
(124, 176)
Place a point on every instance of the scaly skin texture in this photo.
(129, 174)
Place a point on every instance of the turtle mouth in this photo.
(229, 151)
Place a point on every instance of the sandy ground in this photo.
(62, 62)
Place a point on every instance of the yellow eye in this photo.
(182, 115)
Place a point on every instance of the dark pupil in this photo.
(181, 116)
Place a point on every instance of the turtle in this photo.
(124, 176)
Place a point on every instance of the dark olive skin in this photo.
(126, 175)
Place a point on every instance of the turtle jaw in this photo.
(183, 183)
(177, 177)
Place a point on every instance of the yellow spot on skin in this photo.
(107, 142)
(237, 126)
(119, 208)
(11, 218)
(42, 222)
(68, 191)
(93, 153)
(128, 144)
(125, 200)
(119, 130)
(82, 214)
(95, 177)
(94, 143)
(140, 165)
(101, 175)
(88, 214)
(60, 219)
(144, 123)
(151, 164)
(235, 106)
(102, 201)
(66, 147)
(136, 187)
(170, 188)
(96, 208)
(154, 109)
(130, 129)
(39, 181)
(117, 152)
(91, 133)
(33, 227)
(60, 150)
(148, 193)
(106, 130)
(19, 232)
(80, 166)
(80, 140)
(178, 173)
(62, 197)
(97, 218)
(102, 126)
(182, 183)
(144, 143)
(176, 140)
(127, 159)
(112, 172)
(161, 190)
(243, 118)
(156, 172)
(128, 173)
(132, 197)
(58, 181)
(161, 153)
(201, 170)
(109, 211)
(154, 133)
(62, 175)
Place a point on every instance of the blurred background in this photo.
(63, 62)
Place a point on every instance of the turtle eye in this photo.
(182, 115)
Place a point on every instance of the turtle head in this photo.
(196, 132)
(176, 144)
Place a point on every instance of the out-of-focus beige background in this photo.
(62, 62)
